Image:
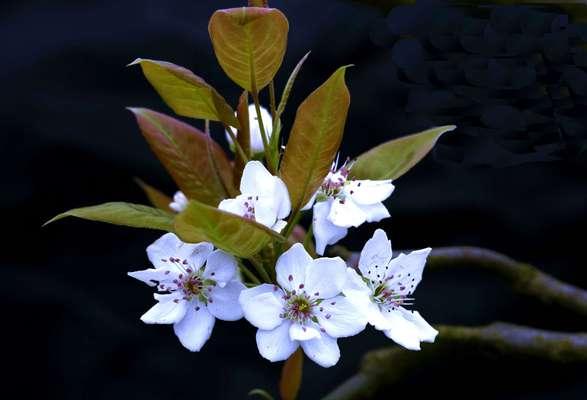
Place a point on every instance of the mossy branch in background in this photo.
(385, 367)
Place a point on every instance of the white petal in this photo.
(179, 202)
(281, 196)
(375, 256)
(310, 202)
(256, 180)
(368, 191)
(279, 225)
(195, 328)
(427, 332)
(224, 304)
(325, 231)
(234, 206)
(402, 331)
(405, 271)
(325, 277)
(340, 318)
(265, 211)
(345, 213)
(323, 351)
(275, 345)
(262, 305)
(150, 276)
(200, 254)
(221, 267)
(355, 283)
(299, 332)
(167, 246)
(376, 317)
(291, 267)
(255, 131)
(165, 311)
(374, 212)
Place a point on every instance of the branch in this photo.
(524, 278)
(384, 367)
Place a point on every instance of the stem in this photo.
(261, 270)
(268, 153)
(308, 245)
(385, 367)
(237, 145)
(272, 100)
(248, 273)
(524, 278)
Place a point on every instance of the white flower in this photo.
(264, 198)
(386, 285)
(306, 308)
(179, 203)
(341, 203)
(198, 284)
(255, 130)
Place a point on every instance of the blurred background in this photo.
(512, 178)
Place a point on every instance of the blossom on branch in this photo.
(196, 284)
(255, 129)
(306, 308)
(385, 286)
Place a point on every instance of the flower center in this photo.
(299, 308)
(249, 207)
(389, 299)
(190, 283)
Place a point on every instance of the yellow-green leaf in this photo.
(291, 376)
(249, 43)
(119, 213)
(197, 164)
(392, 159)
(186, 93)
(315, 138)
(232, 233)
(156, 197)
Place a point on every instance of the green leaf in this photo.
(392, 159)
(243, 136)
(119, 213)
(155, 196)
(291, 376)
(232, 233)
(315, 138)
(249, 43)
(186, 93)
(183, 151)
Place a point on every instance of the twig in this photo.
(524, 278)
(384, 367)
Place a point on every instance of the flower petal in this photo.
(375, 256)
(427, 332)
(195, 328)
(345, 213)
(224, 304)
(368, 191)
(170, 245)
(374, 212)
(323, 351)
(279, 225)
(355, 283)
(255, 130)
(221, 267)
(291, 267)
(256, 180)
(265, 211)
(325, 231)
(179, 202)
(281, 196)
(299, 332)
(166, 311)
(234, 206)
(325, 277)
(402, 331)
(405, 271)
(340, 318)
(262, 306)
(275, 345)
(150, 276)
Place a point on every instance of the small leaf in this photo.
(155, 196)
(249, 43)
(289, 84)
(315, 138)
(291, 376)
(392, 159)
(183, 151)
(119, 213)
(230, 232)
(186, 93)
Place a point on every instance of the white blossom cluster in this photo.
(313, 301)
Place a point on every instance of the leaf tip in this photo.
(135, 62)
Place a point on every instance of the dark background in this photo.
(511, 178)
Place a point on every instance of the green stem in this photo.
(237, 145)
(247, 272)
(261, 270)
(268, 153)
(308, 245)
